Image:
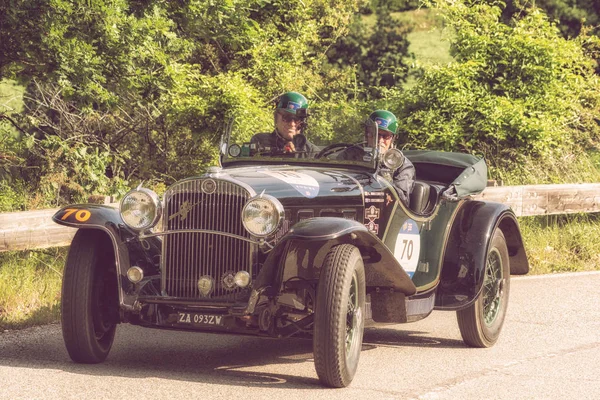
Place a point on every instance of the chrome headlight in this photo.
(393, 158)
(140, 209)
(262, 215)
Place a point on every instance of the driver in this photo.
(290, 120)
(387, 124)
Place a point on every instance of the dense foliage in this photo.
(571, 15)
(380, 54)
(120, 91)
(514, 91)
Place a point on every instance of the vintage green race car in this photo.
(276, 246)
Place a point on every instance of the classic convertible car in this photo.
(277, 245)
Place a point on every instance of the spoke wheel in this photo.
(480, 323)
(339, 316)
(492, 287)
(89, 298)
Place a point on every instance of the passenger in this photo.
(290, 115)
(404, 177)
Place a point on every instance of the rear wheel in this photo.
(480, 324)
(339, 316)
(89, 306)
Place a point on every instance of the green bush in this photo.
(520, 89)
(378, 56)
(124, 91)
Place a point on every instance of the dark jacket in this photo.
(403, 178)
(274, 144)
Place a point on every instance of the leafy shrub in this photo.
(126, 91)
(379, 57)
(513, 89)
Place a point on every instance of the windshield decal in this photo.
(305, 184)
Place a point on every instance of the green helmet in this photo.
(385, 121)
(291, 101)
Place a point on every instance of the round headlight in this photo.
(140, 209)
(393, 158)
(242, 279)
(262, 215)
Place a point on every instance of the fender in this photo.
(302, 250)
(108, 220)
(465, 256)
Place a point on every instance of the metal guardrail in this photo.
(35, 230)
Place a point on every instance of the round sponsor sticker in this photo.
(305, 184)
(408, 246)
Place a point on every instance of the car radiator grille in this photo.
(206, 204)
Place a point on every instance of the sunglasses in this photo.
(287, 118)
(385, 136)
(382, 135)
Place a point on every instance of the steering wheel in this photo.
(334, 148)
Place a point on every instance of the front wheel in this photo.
(480, 323)
(89, 298)
(339, 316)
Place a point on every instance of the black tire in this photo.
(89, 305)
(339, 316)
(480, 323)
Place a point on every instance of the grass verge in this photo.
(30, 283)
(562, 243)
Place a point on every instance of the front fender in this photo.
(304, 248)
(89, 216)
(108, 220)
(465, 256)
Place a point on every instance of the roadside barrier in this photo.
(26, 230)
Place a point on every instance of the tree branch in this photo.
(13, 122)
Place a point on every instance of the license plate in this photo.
(199, 319)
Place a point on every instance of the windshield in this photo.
(270, 148)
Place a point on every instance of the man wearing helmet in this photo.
(387, 128)
(290, 115)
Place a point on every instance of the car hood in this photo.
(303, 186)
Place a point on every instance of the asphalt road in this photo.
(549, 349)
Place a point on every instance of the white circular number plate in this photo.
(408, 246)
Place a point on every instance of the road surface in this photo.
(549, 349)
